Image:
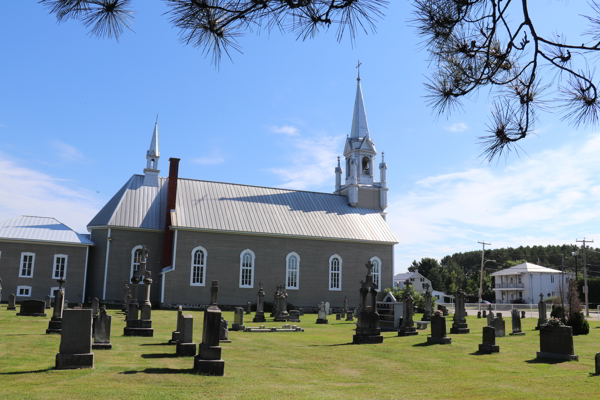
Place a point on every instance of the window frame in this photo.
(52, 290)
(133, 263)
(23, 254)
(287, 270)
(23, 287)
(242, 268)
(56, 256)
(379, 264)
(551, 278)
(202, 266)
(341, 263)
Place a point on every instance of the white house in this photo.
(527, 281)
(419, 282)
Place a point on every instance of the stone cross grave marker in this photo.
(55, 323)
(208, 361)
(367, 326)
(460, 324)
(542, 319)
(260, 305)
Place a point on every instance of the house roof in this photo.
(526, 268)
(228, 207)
(41, 229)
(407, 275)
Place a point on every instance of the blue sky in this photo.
(76, 117)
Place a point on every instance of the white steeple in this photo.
(152, 157)
(360, 126)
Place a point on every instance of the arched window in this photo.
(136, 259)
(292, 271)
(198, 270)
(335, 272)
(247, 269)
(366, 165)
(376, 271)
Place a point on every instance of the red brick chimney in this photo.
(171, 201)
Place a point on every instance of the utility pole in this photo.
(481, 273)
(585, 285)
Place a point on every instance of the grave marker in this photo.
(175, 334)
(489, 341)
(516, 323)
(102, 329)
(55, 323)
(12, 299)
(556, 343)
(260, 305)
(407, 328)
(76, 340)
(438, 330)
(460, 324)
(238, 320)
(499, 325)
(208, 361)
(367, 326)
(33, 308)
(322, 314)
(186, 346)
(542, 314)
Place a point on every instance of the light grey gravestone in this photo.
(102, 331)
(224, 331)
(490, 318)
(76, 340)
(141, 326)
(556, 343)
(438, 330)
(543, 316)
(345, 304)
(55, 323)
(208, 361)
(294, 316)
(12, 302)
(489, 341)
(33, 308)
(328, 309)
(260, 305)
(248, 308)
(367, 326)
(186, 346)
(322, 314)
(238, 319)
(428, 306)
(407, 328)
(499, 325)
(175, 334)
(516, 323)
(281, 297)
(460, 324)
(95, 306)
(48, 301)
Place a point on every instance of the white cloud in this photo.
(66, 151)
(313, 163)
(285, 130)
(458, 127)
(28, 192)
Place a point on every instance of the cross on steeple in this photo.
(358, 68)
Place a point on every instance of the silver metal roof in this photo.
(526, 268)
(43, 229)
(360, 126)
(228, 207)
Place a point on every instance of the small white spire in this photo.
(152, 157)
(154, 145)
(360, 127)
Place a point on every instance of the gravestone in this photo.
(186, 346)
(345, 304)
(33, 308)
(328, 309)
(428, 309)
(407, 328)
(338, 316)
(248, 308)
(55, 323)
(443, 309)
(438, 330)
(208, 361)
(66, 304)
(499, 325)
(139, 318)
(322, 314)
(367, 326)
(48, 301)
(484, 314)
(597, 359)
(542, 314)
(238, 320)
(224, 331)
(294, 316)
(281, 297)
(350, 315)
(125, 306)
(489, 341)
(522, 314)
(260, 305)
(175, 334)
(490, 318)
(95, 306)
(478, 314)
(556, 343)
(460, 324)
(102, 330)
(76, 340)
(11, 302)
(274, 309)
(516, 323)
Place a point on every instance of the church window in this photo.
(24, 291)
(292, 271)
(60, 266)
(366, 165)
(376, 271)
(247, 269)
(27, 265)
(136, 260)
(335, 272)
(198, 272)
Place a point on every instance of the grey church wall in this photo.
(42, 280)
(223, 264)
(368, 199)
(95, 277)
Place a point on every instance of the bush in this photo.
(558, 312)
(518, 301)
(579, 324)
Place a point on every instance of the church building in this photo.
(197, 231)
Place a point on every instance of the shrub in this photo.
(579, 324)
(518, 301)
(558, 312)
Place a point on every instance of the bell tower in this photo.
(152, 157)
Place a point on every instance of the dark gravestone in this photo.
(260, 305)
(224, 331)
(367, 326)
(438, 331)
(294, 316)
(76, 340)
(139, 318)
(428, 306)
(459, 324)
(102, 329)
(489, 341)
(208, 361)
(597, 359)
(516, 323)
(556, 343)
(186, 346)
(484, 314)
(407, 328)
(478, 314)
(522, 314)
(499, 325)
(33, 308)
(176, 332)
(338, 317)
(542, 314)
(12, 302)
(55, 323)
(238, 320)
(281, 295)
(248, 308)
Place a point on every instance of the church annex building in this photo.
(316, 244)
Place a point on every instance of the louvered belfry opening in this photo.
(171, 201)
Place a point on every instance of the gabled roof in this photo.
(526, 268)
(407, 275)
(228, 207)
(40, 229)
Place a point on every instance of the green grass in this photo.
(316, 364)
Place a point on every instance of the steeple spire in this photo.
(360, 127)
(154, 149)
(152, 156)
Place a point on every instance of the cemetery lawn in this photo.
(319, 363)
